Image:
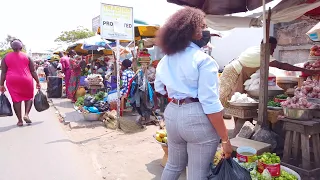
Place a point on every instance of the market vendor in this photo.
(126, 76)
(238, 71)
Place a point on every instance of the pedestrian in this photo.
(65, 66)
(46, 65)
(193, 118)
(18, 71)
(75, 75)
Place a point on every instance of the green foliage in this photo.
(75, 35)
(4, 52)
(5, 46)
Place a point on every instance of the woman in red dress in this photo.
(17, 69)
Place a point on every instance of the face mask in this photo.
(206, 36)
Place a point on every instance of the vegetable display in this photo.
(309, 89)
(269, 158)
(282, 96)
(93, 104)
(274, 104)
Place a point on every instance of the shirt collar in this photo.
(193, 45)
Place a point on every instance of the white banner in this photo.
(116, 22)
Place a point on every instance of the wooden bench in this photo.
(302, 145)
(259, 146)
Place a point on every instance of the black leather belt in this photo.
(185, 101)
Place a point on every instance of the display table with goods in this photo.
(266, 166)
(92, 107)
(302, 128)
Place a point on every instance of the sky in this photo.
(39, 22)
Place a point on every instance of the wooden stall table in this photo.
(302, 145)
(241, 115)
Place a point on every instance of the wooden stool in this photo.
(300, 135)
(259, 146)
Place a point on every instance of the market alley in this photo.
(41, 151)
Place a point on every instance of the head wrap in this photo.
(16, 45)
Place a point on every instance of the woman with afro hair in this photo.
(194, 118)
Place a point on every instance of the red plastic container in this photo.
(274, 169)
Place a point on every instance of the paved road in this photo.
(41, 151)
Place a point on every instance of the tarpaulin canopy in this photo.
(221, 7)
(285, 11)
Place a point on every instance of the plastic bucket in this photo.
(243, 154)
(274, 169)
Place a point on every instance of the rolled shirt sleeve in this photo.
(159, 86)
(208, 87)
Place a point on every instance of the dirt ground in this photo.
(119, 156)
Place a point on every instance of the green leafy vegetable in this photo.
(274, 104)
(282, 96)
(269, 158)
(80, 101)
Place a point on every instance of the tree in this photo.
(5, 46)
(74, 35)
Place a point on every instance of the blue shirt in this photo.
(190, 73)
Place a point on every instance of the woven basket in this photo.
(273, 115)
(144, 60)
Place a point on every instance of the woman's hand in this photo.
(2, 89)
(38, 86)
(227, 149)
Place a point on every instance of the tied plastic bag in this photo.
(228, 169)
(41, 102)
(5, 106)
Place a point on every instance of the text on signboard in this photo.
(109, 23)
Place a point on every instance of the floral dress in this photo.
(74, 79)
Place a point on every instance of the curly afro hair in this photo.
(180, 28)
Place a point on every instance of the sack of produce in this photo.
(41, 102)
(228, 169)
(5, 106)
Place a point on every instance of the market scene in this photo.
(208, 90)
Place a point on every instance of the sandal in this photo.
(27, 120)
(20, 124)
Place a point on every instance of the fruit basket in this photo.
(161, 138)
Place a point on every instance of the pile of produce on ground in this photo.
(254, 82)
(264, 167)
(161, 136)
(93, 104)
(242, 98)
(310, 89)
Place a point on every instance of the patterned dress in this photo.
(74, 79)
